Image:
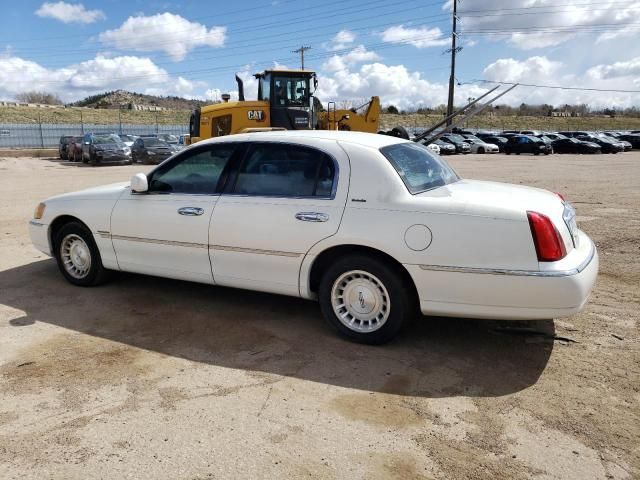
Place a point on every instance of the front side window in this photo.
(418, 168)
(194, 172)
(285, 170)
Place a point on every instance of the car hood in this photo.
(104, 192)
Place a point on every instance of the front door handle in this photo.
(312, 216)
(191, 211)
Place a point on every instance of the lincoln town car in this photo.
(373, 227)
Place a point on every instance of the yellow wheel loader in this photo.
(285, 102)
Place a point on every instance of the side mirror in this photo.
(139, 183)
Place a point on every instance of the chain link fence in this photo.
(47, 135)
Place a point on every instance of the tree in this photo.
(39, 97)
(392, 109)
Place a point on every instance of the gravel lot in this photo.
(154, 378)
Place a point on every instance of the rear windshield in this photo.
(419, 169)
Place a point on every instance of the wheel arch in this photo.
(58, 223)
(323, 260)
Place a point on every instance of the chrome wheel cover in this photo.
(360, 301)
(76, 256)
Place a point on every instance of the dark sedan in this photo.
(606, 145)
(632, 138)
(104, 148)
(445, 147)
(151, 150)
(458, 141)
(526, 144)
(573, 145)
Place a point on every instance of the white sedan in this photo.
(480, 146)
(373, 227)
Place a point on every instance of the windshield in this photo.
(419, 169)
(100, 139)
(455, 138)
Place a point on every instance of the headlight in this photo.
(39, 213)
(126, 150)
(151, 153)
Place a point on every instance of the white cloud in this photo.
(407, 90)
(531, 70)
(69, 12)
(97, 75)
(341, 40)
(166, 32)
(394, 84)
(617, 69)
(542, 71)
(545, 23)
(359, 54)
(421, 37)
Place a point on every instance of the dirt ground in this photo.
(153, 378)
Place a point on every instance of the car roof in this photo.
(373, 140)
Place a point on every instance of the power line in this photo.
(557, 87)
(230, 68)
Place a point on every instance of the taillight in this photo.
(561, 196)
(546, 238)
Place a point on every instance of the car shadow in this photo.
(69, 163)
(433, 357)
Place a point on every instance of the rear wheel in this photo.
(78, 256)
(481, 150)
(365, 299)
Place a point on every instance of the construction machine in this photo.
(285, 101)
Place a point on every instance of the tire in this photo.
(78, 256)
(381, 285)
(480, 150)
(400, 132)
(93, 160)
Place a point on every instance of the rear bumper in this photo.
(551, 292)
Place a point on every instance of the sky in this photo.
(391, 48)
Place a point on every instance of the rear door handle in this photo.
(312, 216)
(191, 211)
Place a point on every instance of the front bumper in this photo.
(557, 289)
(39, 233)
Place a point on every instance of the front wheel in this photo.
(78, 256)
(366, 300)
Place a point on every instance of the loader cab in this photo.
(289, 93)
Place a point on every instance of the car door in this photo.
(280, 200)
(165, 231)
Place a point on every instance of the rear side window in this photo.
(285, 170)
(419, 169)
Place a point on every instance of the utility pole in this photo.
(454, 49)
(301, 51)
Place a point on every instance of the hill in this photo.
(125, 99)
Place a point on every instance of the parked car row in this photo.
(102, 148)
(537, 142)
